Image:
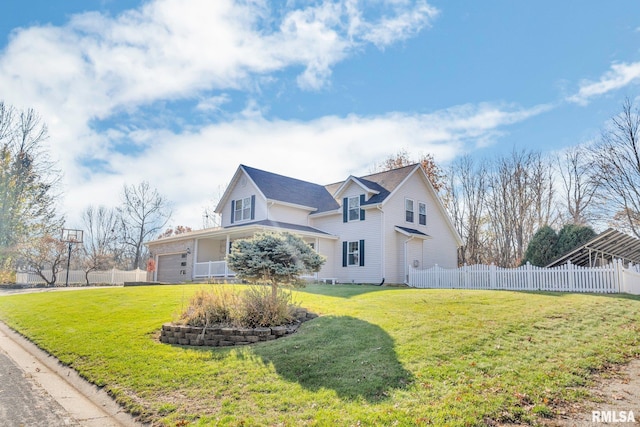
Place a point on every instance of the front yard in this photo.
(376, 356)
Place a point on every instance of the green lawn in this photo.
(376, 356)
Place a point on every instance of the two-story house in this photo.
(370, 228)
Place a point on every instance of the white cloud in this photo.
(97, 66)
(619, 76)
(188, 167)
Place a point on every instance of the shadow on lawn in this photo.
(341, 353)
(342, 290)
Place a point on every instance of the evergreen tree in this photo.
(275, 258)
(542, 248)
(571, 236)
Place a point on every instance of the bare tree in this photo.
(180, 229)
(43, 254)
(616, 166)
(467, 207)
(100, 246)
(210, 218)
(578, 185)
(520, 201)
(144, 212)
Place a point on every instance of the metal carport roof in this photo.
(602, 249)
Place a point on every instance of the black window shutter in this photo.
(344, 254)
(345, 209)
(361, 253)
(233, 210)
(253, 207)
(361, 209)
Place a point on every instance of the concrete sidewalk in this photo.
(35, 389)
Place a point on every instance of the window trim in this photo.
(420, 215)
(407, 211)
(353, 209)
(353, 255)
(245, 211)
(348, 252)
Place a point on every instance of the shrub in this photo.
(207, 307)
(250, 308)
(257, 307)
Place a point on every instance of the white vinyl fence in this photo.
(112, 277)
(612, 278)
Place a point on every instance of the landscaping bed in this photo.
(226, 336)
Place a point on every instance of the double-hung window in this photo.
(422, 213)
(353, 253)
(354, 208)
(242, 209)
(408, 210)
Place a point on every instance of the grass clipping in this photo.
(248, 308)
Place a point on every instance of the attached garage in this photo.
(172, 268)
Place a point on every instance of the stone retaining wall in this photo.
(219, 336)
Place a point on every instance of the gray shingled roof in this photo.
(413, 231)
(282, 225)
(291, 190)
(384, 182)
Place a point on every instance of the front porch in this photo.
(212, 269)
(210, 251)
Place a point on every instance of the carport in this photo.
(602, 250)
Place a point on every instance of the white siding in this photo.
(327, 248)
(244, 188)
(290, 214)
(441, 249)
(211, 250)
(368, 230)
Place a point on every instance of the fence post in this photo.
(570, 278)
(492, 276)
(113, 275)
(619, 277)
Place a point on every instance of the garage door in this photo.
(172, 268)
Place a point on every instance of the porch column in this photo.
(195, 258)
(226, 251)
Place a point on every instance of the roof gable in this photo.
(284, 189)
(380, 184)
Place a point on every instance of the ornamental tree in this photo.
(274, 258)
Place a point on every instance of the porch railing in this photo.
(212, 269)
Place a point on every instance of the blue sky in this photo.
(179, 93)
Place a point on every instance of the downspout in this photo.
(406, 265)
(195, 258)
(384, 249)
(155, 272)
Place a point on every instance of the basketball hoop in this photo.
(71, 236)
